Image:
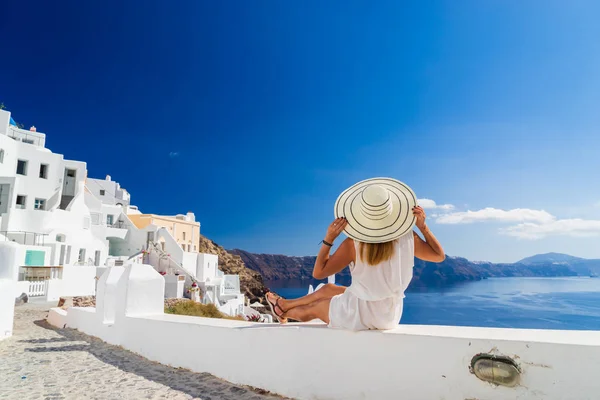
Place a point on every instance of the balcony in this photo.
(25, 238)
(29, 137)
(117, 230)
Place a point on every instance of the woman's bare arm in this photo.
(429, 249)
(326, 265)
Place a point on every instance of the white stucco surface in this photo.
(412, 362)
(78, 280)
(7, 307)
(8, 287)
(11, 254)
(57, 317)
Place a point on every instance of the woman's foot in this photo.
(275, 304)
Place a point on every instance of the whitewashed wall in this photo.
(207, 266)
(11, 256)
(9, 252)
(78, 281)
(189, 261)
(7, 307)
(410, 362)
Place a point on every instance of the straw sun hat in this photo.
(378, 210)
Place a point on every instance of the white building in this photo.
(109, 191)
(160, 241)
(62, 227)
(42, 209)
(160, 249)
(217, 288)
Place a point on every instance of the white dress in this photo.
(375, 297)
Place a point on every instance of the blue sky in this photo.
(255, 115)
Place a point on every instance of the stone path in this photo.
(40, 362)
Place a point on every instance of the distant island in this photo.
(450, 271)
(254, 269)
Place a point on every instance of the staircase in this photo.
(65, 201)
(173, 266)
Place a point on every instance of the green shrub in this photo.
(194, 309)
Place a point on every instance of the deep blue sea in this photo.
(539, 303)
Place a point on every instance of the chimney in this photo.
(33, 129)
(108, 178)
(191, 217)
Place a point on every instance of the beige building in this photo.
(184, 228)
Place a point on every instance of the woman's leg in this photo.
(317, 309)
(326, 292)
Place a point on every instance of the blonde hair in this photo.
(375, 253)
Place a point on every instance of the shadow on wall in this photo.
(197, 385)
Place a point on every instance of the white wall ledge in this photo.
(311, 361)
(584, 338)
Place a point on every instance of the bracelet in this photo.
(327, 243)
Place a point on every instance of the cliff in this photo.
(251, 282)
(451, 270)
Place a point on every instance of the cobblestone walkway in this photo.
(40, 362)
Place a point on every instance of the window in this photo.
(109, 219)
(1, 156)
(81, 255)
(183, 235)
(71, 173)
(28, 141)
(22, 167)
(40, 204)
(96, 218)
(102, 191)
(21, 201)
(68, 259)
(97, 258)
(35, 258)
(194, 247)
(44, 171)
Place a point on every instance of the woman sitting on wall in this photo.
(377, 215)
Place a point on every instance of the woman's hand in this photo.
(419, 213)
(334, 230)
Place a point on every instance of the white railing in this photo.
(37, 288)
(172, 265)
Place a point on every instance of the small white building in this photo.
(109, 192)
(43, 210)
(217, 288)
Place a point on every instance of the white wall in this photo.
(9, 253)
(208, 265)
(189, 261)
(11, 256)
(54, 289)
(171, 245)
(134, 241)
(233, 306)
(4, 121)
(8, 167)
(7, 307)
(113, 193)
(410, 362)
(78, 281)
(31, 184)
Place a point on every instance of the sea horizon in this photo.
(563, 303)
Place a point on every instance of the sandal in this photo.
(274, 306)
